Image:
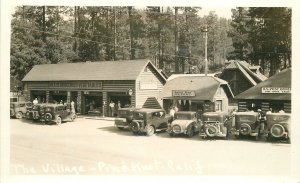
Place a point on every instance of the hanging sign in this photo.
(275, 90)
(183, 93)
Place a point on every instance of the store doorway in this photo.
(58, 97)
(40, 95)
(92, 103)
(120, 100)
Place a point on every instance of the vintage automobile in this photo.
(149, 121)
(214, 125)
(58, 113)
(278, 126)
(185, 122)
(95, 112)
(18, 109)
(36, 113)
(247, 124)
(124, 118)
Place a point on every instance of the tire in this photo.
(19, 115)
(150, 130)
(190, 131)
(245, 129)
(73, 117)
(135, 127)
(211, 131)
(58, 120)
(277, 130)
(48, 117)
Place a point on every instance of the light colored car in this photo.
(185, 122)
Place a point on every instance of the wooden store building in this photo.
(94, 85)
(195, 92)
(273, 93)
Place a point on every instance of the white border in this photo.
(7, 9)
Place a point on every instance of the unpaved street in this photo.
(96, 147)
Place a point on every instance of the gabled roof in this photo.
(280, 80)
(245, 69)
(103, 70)
(205, 87)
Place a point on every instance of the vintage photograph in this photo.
(150, 90)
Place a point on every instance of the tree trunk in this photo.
(44, 24)
(132, 50)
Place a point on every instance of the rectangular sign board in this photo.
(183, 93)
(275, 90)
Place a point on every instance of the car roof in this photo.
(128, 108)
(247, 113)
(20, 102)
(147, 110)
(214, 113)
(185, 112)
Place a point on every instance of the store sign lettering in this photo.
(275, 90)
(77, 85)
(183, 93)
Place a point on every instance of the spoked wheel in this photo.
(58, 121)
(19, 115)
(150, 130)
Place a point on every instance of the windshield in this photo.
(182, 116)
(139, 115)
(212, 118)
(248, 119)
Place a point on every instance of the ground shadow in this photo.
(24, 120)
(113, 129)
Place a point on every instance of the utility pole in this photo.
(115, 34)
(176, 40)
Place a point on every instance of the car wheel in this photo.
(135, 127)
(150, 130)
(48, 117)
(19, 115)
(58, 120)
(190, 131)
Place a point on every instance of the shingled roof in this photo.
(247, 70)
(280, 80)
(205, 87)
(103, 70)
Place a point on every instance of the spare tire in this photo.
(277, 130)
(135, 127)
(48, 117)
(245, 129)
(211, 130)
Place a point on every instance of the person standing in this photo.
(112, 108)
(172, 112)
(35, 101)
(72, 107)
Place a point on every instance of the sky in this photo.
(224, 12)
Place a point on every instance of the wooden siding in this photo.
(221, 95)
(150, 76)
(236, 80)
